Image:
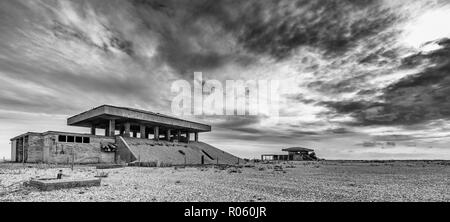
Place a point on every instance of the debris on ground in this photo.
(249, 165)
(277, 168)
(143, 164)
(108, 166)
(261, 168)
(102, 174)
(17, 187)
(234, 170)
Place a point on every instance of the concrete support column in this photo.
(196, 136)
(112, 127)
(168, 135)
(93, 129)
(23, 149)
(127, 129)
(156, 133)
(143, 133)
(178, 135)
(107, 130)
(188, 137)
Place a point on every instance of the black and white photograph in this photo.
(224, 101)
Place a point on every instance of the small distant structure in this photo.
(294, 154)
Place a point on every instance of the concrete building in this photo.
(294, 154)
(130, 135)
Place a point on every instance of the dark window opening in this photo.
(70, 139)
(62, 138)
(79, 139)
(86, 140)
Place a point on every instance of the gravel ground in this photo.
(304, 181)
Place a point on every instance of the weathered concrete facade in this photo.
(49, 147)
(117, 122)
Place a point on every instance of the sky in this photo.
(366, 79)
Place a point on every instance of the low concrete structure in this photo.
(294, 154)
(55, 184)
(130, 135)
(61, 147)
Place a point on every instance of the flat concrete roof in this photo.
(101, 115)
(58, 133)
(297, 149)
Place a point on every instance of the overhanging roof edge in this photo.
(116, 111)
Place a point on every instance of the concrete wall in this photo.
(123, 151)
(45, 147)
(34, 145)
(297, 157)
(13, 150)
(19, 150)
(63, 152)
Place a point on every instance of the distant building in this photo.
(130, 135)
(294, 154)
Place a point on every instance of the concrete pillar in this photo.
(188, 136)
(143, 132)
(127, 129)
(107, 130)
(178, 135)
(156, 133)
(93, 129)
(23, 149)
(112, 127)
(196, 136)
(168, 135)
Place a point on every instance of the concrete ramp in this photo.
(163, 152)
(213, 154)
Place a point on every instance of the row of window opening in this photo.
(73, 139)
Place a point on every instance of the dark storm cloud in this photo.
(299, 133)
(235, 122)
(61, 57)
(439, 56)
(279, 27)
(414, 99)
(249, 127)
(394, 137)
(425, 95)
(187, 42)
(115, 40)
(350, 107)
(340, 130)
(380, 57)
(274, 28)
(300, 98)
(350, 84)
(58, 104)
